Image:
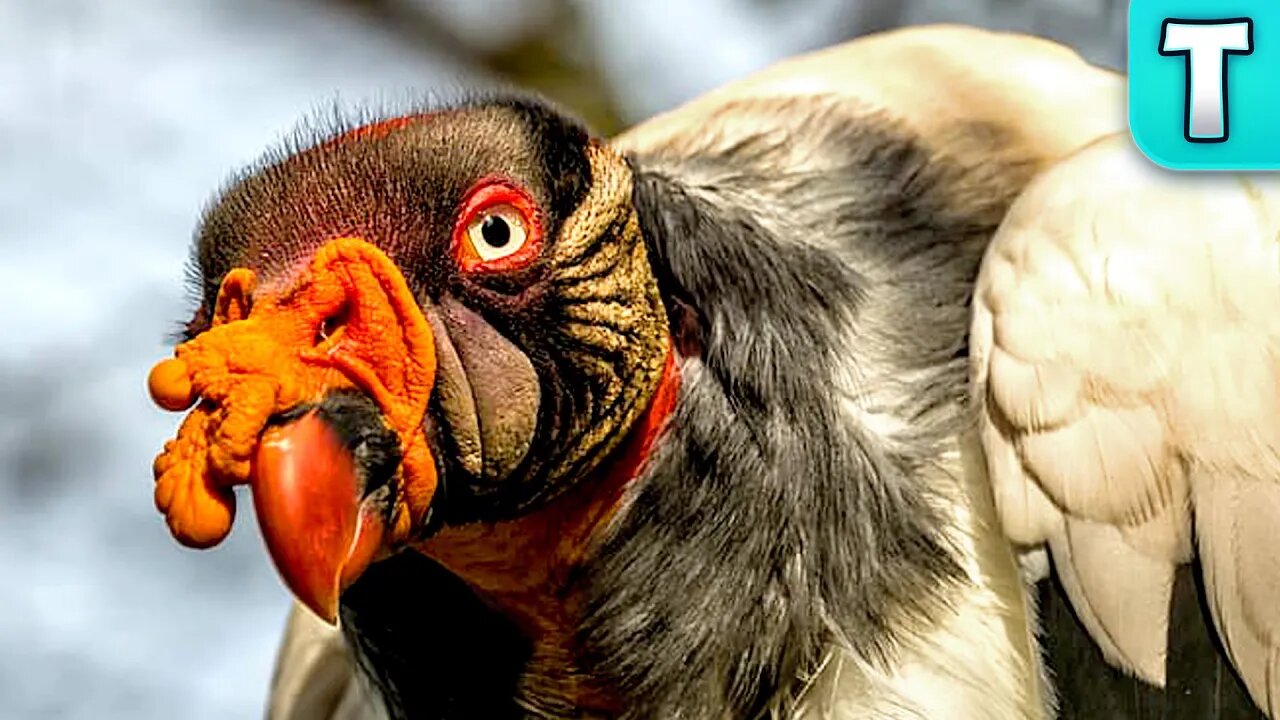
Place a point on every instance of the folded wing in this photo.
(1126, 363)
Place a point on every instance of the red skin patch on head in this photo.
(379, 129)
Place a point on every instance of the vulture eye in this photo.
(498, 233)
(498, 229)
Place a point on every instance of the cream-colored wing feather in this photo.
(933, 79)
(1126, 350)
(315, 676)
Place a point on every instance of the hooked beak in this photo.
(320, 525)
(334, 482)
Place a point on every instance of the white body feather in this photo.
(316, 677)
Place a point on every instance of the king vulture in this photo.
(728, 417)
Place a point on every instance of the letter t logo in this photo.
(1206, 45)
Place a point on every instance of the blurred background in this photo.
(118, 118)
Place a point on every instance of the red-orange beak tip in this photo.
(306, 491)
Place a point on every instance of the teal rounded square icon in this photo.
(1199, 83)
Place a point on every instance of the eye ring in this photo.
(499, 228)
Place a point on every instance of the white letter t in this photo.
(1206, 45)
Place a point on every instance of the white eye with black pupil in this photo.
(497, 233)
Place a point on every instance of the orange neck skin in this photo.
(523, 566)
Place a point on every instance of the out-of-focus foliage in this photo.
(552, 46)
(541, 45)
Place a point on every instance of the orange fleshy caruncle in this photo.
(349, 321)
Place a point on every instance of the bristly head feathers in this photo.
(326, 125)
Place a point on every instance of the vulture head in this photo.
(418, 324)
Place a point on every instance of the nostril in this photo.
(331, 325)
